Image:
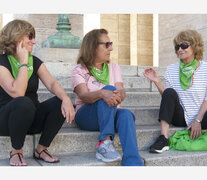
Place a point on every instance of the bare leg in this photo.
(108, 138)
(164, 128)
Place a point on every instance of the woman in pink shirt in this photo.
(98, 85)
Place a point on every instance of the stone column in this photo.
(133, 40)
(0, 20)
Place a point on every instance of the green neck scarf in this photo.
(102, 75)
(15, 65)
(186, 73)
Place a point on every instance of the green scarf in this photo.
(181, 141)
(102, 75)
(15, 65)
(186, 73)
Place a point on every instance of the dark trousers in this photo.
(172, 112)
(20, 117)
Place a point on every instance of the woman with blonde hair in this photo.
(184, 98)
(21, 112)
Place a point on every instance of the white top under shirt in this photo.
(192, 98)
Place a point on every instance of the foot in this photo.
(45, 156)
(107, 153)
(160, 145)
(17, 159)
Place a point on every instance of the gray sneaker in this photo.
(107, 153)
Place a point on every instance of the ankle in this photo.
(166, 136)
(102, 141)
(16, 151)
(108, 138)
(40, 148)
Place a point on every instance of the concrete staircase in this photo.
(76, 147)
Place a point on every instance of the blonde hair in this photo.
(12, 33)
(194, 38)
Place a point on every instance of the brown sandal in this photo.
(40, 158)
(20, 156)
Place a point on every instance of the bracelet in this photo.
(21, 65)
(199, 121)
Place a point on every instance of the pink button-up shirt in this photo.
(80, 74)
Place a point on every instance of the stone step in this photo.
(79, 159)
(65, 69)
(167, 158)
(175, 158)
(30, 162)
(130, 83)
(132, 76)
(143, 115)
(74, 140)
(133, 99)
(72, 159)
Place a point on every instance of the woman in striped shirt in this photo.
(184, 97)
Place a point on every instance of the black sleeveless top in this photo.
(33, 82)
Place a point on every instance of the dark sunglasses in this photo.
(31, 36)
(107, 44)
(183, 46)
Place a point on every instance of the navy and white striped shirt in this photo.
(192, 98)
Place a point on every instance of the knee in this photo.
(109, 87)
(52, 104)
(56, 102)
(24, 104)
(169, 93)
(126, 116)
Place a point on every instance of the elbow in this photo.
(83, 98)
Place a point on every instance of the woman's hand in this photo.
(152, 75)
(121, 93)
(111, 98)
(22, 53)
(120, 90)
(68, 110)
(195, 129)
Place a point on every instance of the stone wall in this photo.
(0, 20)
(45, 26)
(132, 37)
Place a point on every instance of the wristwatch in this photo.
(199, 121)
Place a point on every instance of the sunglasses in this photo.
(183, 46)
(31, 36)
(107, 44)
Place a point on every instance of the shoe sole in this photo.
(100, 157)
(166, 148)
(39, 158)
